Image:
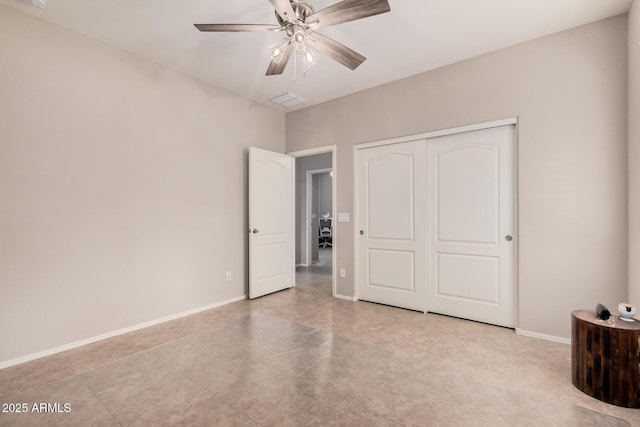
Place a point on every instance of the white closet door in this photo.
(391, 203)
(471, 225)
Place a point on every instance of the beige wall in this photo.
(122, 188)
(569, 92)
(324, 194)
(634, 153)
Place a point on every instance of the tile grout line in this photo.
(102, 403)
(64, 362)
(128, 356)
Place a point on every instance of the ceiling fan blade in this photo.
(347, 10)
(284, 9)
(339, 52)
(277, 66)
(236, 27)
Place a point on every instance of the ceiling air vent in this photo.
(36, 3)
(289, 99)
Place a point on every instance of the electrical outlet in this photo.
(343, 273)
(228, 276)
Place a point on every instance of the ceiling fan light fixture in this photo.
(308, 57)
(278, 52)
(300, 40)
(299, 37)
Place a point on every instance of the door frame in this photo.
(430, 135)
(307, 227)
(334, 209)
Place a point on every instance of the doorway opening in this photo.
(315, 228)
(318, 227)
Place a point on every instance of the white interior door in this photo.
(391, 203)
(271, 222)
(472, 225)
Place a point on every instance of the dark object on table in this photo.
(602, 312)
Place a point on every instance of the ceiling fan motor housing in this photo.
(301, 8)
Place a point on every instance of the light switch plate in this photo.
(343, 216)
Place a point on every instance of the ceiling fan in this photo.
(298, 20)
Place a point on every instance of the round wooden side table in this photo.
(604, 358)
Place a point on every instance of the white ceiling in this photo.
(416, 36)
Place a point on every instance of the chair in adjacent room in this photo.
(325, 232)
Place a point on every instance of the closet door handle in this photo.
(508, 238)
(362, 232)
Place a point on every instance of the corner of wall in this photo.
(633, 156)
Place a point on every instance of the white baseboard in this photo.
(344, 297)
(543, 336)
(302, 265)
(80, 343)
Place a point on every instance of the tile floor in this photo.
(324, 258)
(299, 358)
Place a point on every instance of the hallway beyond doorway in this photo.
(324, 258)
(314, 279)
